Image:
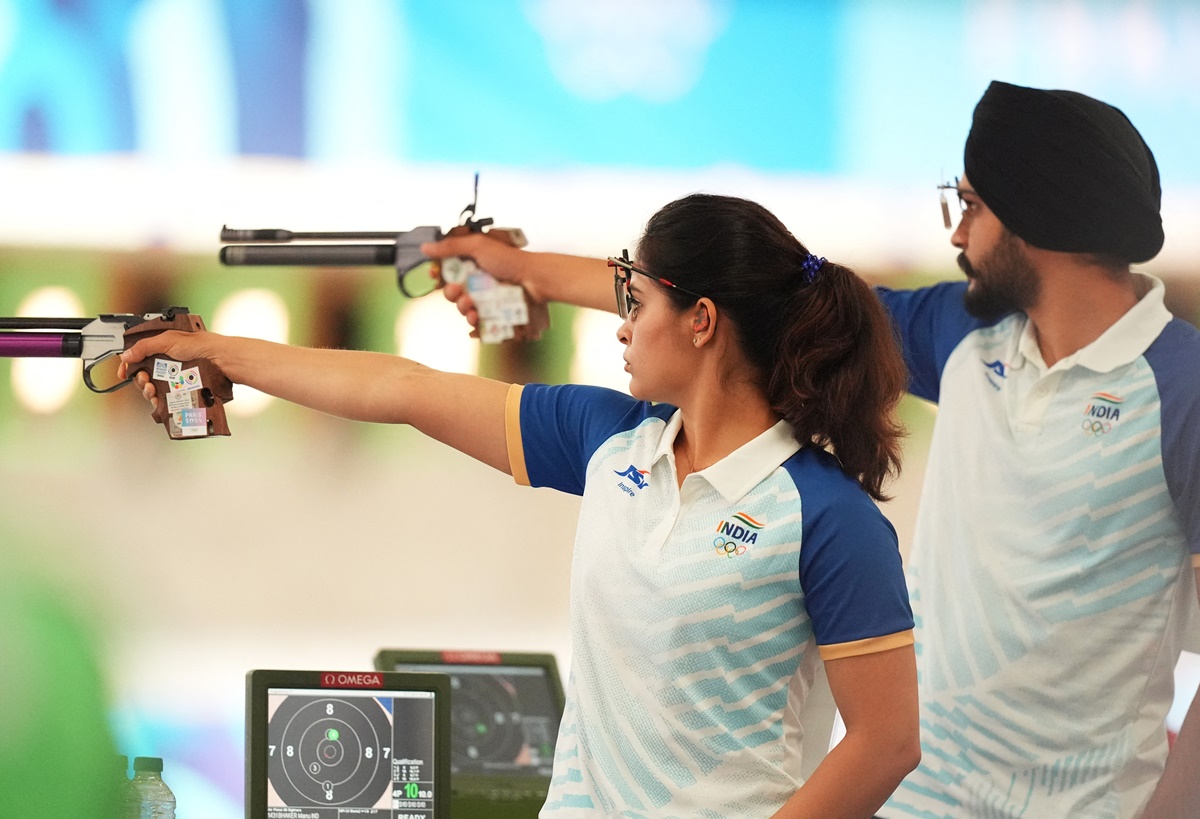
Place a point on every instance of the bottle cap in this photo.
(148, 763)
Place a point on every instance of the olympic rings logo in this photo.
(728, 548)
(1094, 427)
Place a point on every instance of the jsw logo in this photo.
(636, 476)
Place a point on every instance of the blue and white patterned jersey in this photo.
(1050, 571)
(699, 612)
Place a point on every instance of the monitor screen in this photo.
(326, 745)
(504, 718)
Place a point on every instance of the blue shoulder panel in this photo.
(562, 426)
(931, 322)
(1175, 359)
(850, 566)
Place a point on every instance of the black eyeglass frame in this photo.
(958, 191)
(625, 301)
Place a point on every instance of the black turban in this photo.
(1065, 172)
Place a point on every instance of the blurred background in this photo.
(132, 130)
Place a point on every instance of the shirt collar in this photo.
(666, 443)
(1123, 342)
(744, 468)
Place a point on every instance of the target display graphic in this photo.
(329, 744)
(505, 715)
(489, 723)
(485, 718)
(330, 751)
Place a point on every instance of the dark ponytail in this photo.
(838, 375)
(821, 341)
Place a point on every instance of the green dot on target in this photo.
(331, 735)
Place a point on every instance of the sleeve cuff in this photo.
(512, 435)
(871, 645)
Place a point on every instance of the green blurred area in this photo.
(57, 751)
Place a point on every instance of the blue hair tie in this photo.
(810, 266)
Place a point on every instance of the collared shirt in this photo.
(1050, 571)
(699, 612)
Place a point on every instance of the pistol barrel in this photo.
(41, 345)
(361, 255)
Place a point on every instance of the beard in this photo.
(1002, 282)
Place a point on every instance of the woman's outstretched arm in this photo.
(462, 411)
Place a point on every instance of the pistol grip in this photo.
(212, 396)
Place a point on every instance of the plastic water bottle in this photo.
(148, 797)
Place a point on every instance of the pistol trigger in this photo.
(87, 375)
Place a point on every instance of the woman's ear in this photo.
(704, 322)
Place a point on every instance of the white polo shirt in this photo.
(698, 613)
(1051, 567)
